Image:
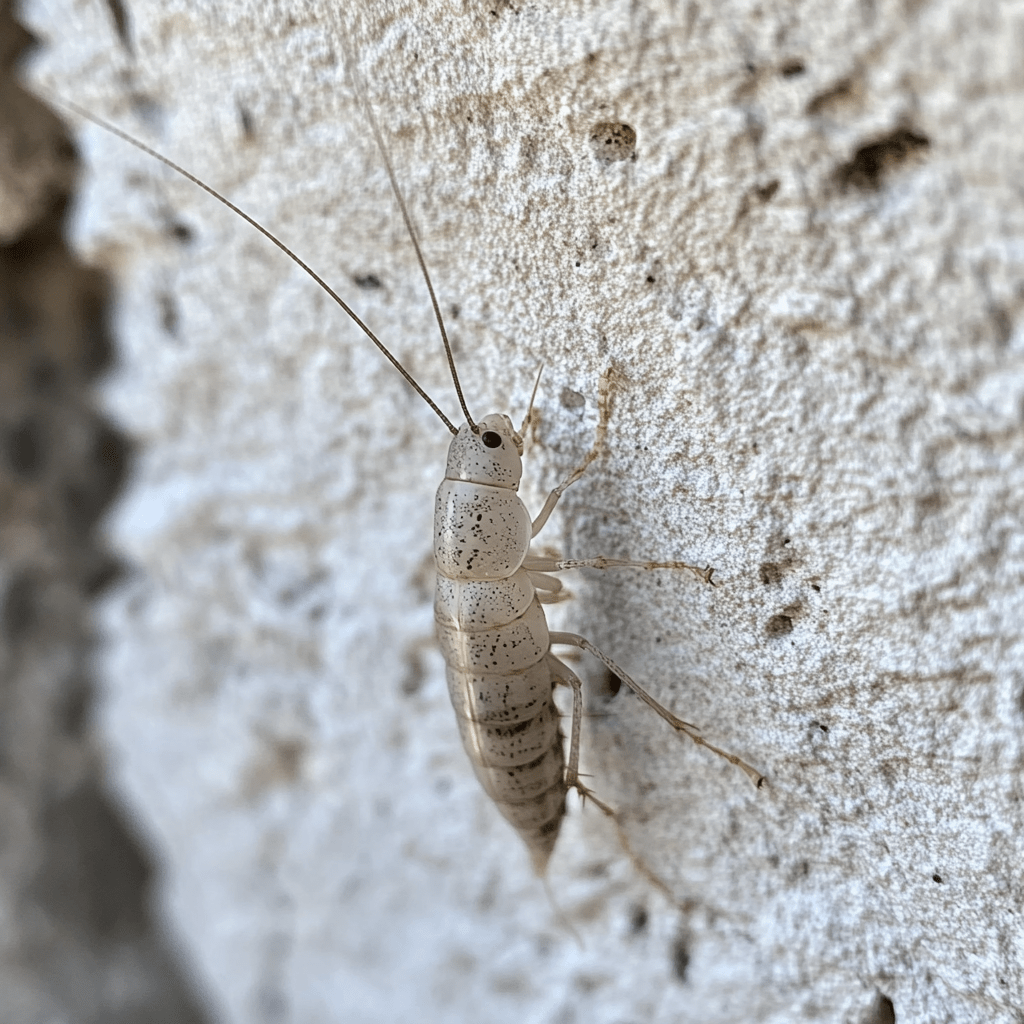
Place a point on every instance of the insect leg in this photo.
(603, 412)
(677, 723)
(549, 588)
(563, 674)
(534, 564)
(541, 581)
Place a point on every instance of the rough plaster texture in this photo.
(810, 281)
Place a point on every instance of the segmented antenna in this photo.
(114, 130)
(368, 112)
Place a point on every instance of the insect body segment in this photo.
(494, 636)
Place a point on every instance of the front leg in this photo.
(603, 413)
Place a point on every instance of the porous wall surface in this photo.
(796, 232)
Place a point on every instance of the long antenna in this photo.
(368, 112)
(114, 130)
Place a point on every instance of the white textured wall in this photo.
(822, 392)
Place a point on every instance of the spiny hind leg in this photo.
(563, 674)
(604, 404)
(678, 724)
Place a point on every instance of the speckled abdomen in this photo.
(494, 638)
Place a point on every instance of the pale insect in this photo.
(490, 588)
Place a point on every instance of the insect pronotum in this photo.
(490, 587)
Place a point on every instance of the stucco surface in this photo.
(808, 272)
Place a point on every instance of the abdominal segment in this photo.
(500, 685)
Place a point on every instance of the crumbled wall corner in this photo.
(79, 941)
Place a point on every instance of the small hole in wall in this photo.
(612, 142)
(638, 918)
(169, 318)
(246, 122)
(779, 625)
(119, 16)
(181, 233)
(415, 674)
(608, 684)
(882, 1012)
(570, 399)
(873, 162)
(679, 955)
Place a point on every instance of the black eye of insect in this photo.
(491, 439)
